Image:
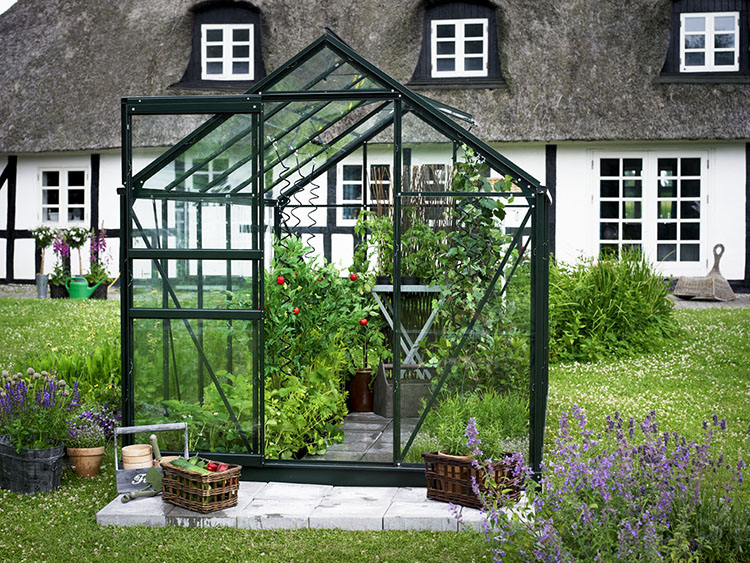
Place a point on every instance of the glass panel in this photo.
(631, 209)
(52, 214)
(471, 47)
(667, 167)
(608, 210)
(632, 167)
(610, 188)
(446, 30)
(608, 251)
(241, 35)
(667, 188)
(690, 188)
(690, 210)
(446, 48)
(631, 231)
(474, 30)
(610, 166)
(724, 58)
(695, 42)
(50, 178)
(666, 231)
(473, 63)
(352, 192)
(75, 214)
(724, 40)
(690, 166)
(632, 246)
(695, 59)
(214, 51)
(50, 197)
(76, 178)
(609, 231)
(689, 252)
(214, 68)
(352, 172)
(350, 212)
(241, 51)
(724, 23)
(214, 34)
(666, 252)
(632, 188)
(446, 64)
(240, 68)
(695, 23)
(690, 231)
(76, 197)
(667, 209)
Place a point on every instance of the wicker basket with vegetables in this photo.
(200, 484)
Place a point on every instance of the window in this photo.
(351, 189)
(709, 42)
(227, 51)
(459, 47)
(211, 175)
(64, 194)
(651, 202)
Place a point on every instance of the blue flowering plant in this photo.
(35, 409)
(92, 426)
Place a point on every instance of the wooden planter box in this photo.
(449, 479)
(199, 492)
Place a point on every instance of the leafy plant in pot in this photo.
(360, 388)
(44, 236)
(85, 444)
(98, 265)
(62, 267)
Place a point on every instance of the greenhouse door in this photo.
(192, 270)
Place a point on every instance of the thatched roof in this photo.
(575, 70)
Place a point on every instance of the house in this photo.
(635, 115)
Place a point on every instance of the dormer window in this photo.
(227, 52)
(459, 47)
(709, 42)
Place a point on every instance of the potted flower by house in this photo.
(76, 237)
(62, 267)
(34, 412)
(85, 443)
(98, 265)
(44, 236)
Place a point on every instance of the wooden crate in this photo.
(201, 492)
(449, 479)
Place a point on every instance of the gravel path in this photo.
(28, 291)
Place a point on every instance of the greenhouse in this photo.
(329, 370)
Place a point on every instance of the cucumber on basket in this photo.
(182, 463)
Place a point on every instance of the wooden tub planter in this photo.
(449, 479)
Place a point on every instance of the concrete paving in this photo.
(268, 506)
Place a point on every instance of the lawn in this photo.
(706, 371)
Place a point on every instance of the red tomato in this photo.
(353, 277)
(363, 322)
(320, 279)
(295, 310)
(280, 280)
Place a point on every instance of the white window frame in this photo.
(367, 181)
(227, 44)
(459, 55)
(63, 188)
(709, 49)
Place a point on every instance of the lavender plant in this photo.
(35, 409)
(92, 427)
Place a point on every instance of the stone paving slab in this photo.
(292, 506)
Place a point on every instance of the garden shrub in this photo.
(617, 306)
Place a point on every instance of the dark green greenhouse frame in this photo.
(390, 102)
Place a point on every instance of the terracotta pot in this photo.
(360, 393)
(86, 461)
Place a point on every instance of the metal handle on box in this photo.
(151, 428)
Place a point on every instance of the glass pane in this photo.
(214, 51)
(695, 23)
(695, 59)
(690, 188)
(610, 166)
(50, 197)
(724, 58)
(380, 173)
(667, 188)
(473, 63)
(666, 231)
(690, 210)
(609, 251)
(446, 64)
(52, 214)
(631, 209)
(214, 68)
(240, 68)
(667, 209)
(214, 34)
(632, 166)
(632, 188)
(609, 188)
(689, 252)
(446, 30)
(690, 231)
(352, 192)
(241, 35)
(474, 30)
(241, 51)
(608, 210)
(690, 166)
(724, 23)
(76, 197)
(75, 214)
(350, 212)
(609, 231)
(695, 42)
(50, 178)
(666, 252)
(76, 178)
(667, 167)
(724, 40)
(446, 48)
(631, 231)
(352, 172)
(471, 47)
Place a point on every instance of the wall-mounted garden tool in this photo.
(713, 287)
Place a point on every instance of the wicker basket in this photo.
(449, 479)
(201, 492)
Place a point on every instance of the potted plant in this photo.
(34, 412)
(62, 267)
(85, 443)
(98, 265)
(368, 351)
(376, 234)
(76, 237)
(44, 236)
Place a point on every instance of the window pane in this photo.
(474, 63)
(214, 68)
(631, 231)
(76, 178)
(695, 42)
(690, 167)
(724, 40)
(474, 30)
(214, 35)
(667, 167)
(631, 209)
(632, 247)
(75, 197)
(446, 30)
(610, 188)
(632, 167)
(446, 64)
(667, 210)
(689, 252)
(240, 68)
(380, 172)
(695, 23)
(667, 188)
(608, 251)
(241, 35)
(50, 197)
(220, 164)
(725, 58)
(241, 51)
(609, 231)
(352, 172)
(690, 231)
(608, 210)
(666, 231)
(75, 214)
(690, 188)
(724, 23)
(446, 48)
(666, 252)
(610, 166)
(690, 210)
(695, 59)
(631, 188)
(350, 212)
(472, 47)
(214, 51)
(352, 192)
(52, 214)
(200, 181)
(50, 178)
